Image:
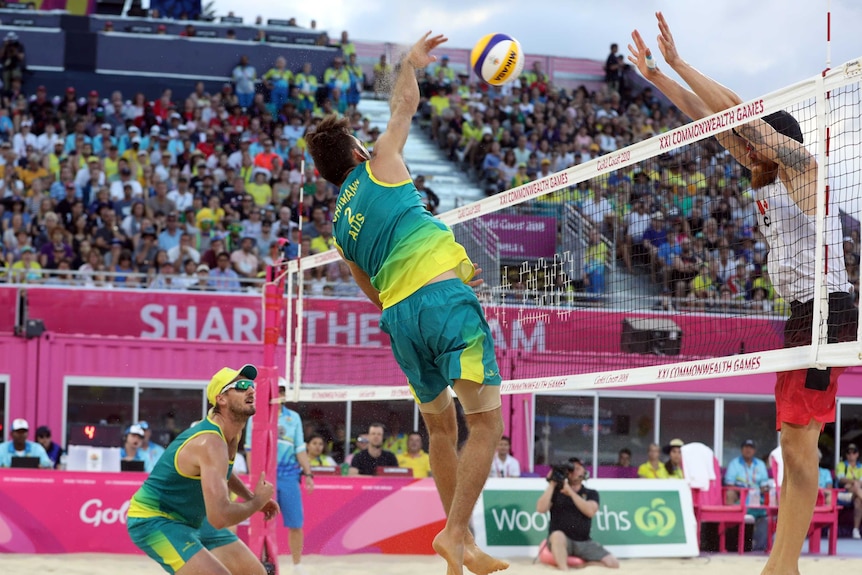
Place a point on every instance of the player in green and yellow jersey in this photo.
(409, 264)
(180, 515)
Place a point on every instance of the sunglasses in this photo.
(852, 451)
(239, 385)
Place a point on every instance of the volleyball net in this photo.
(647, 264)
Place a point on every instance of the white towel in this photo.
(776, 462)
(698, 465)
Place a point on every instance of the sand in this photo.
(101, 564)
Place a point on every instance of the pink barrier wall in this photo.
(75, 512)
(181, 336)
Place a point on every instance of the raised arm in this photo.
(691, 104)
(387, 162)
(800, 166)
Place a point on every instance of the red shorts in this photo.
(797, 405)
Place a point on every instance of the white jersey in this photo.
(790, 235)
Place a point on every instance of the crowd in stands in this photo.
(195, 191)
(198, 192)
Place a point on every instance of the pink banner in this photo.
(76, 512)
(524, 237)
(354, 323)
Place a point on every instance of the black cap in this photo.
(749, 443)
(785, 124)
(43, 431)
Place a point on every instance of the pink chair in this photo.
(710, 507)
(825, 515)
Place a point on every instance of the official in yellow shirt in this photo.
(652, 468)
(415, 458)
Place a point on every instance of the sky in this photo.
(752, 46)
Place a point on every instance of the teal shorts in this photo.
(171, 543)
(439, 334)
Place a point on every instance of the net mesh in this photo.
(655, 262)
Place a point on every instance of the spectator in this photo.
(652, 468)
(316, 457)
(382, 73)
(748, 472)
(12, 60)
(572, 506)
(244, 77)
(202, 279)
(653, 238)
(245, 261)
(849, 476)
(223, 278)
(504, 464)
(185, 251)
(306, 84)
(673, 465)
(624, 457)
(164, 279)
(26, 269)
(169, 238)
(415, 457)
(151, 450)
(279, 79)
(595, 260)
(20, 446)
(131, 448)
(54, 451)
(368, 460)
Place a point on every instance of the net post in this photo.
(297, 361)
(262, 538)
(819, 329)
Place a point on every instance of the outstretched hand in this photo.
(420, 54)
(638, 56)
(640, 51)
(665, 42)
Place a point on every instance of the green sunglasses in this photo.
(239, 385)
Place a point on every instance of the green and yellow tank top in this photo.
(386, 231)
(169, 493)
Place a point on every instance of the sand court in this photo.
(103, 564)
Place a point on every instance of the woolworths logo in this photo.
(657, 520)
(624, 518)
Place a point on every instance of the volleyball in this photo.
(497, 59)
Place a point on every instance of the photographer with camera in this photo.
(572, 506)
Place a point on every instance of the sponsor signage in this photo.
(636, 517)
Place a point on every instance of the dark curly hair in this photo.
(331, 146)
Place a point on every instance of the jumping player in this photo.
(408, 263)
(784, 176)
(180, 515)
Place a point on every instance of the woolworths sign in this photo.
(636, 517)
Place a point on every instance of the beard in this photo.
(242, 412)
(763, 174)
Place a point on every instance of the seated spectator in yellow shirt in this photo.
(316, 458)
(325, 241)
(259, 188)
(415, 458)
(653, 468)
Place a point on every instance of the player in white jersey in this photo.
(784, 175)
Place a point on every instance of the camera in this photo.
(560, 472)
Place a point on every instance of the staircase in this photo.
(423, 156)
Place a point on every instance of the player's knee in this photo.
(557, 538)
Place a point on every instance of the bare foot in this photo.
(480, 562)
(452, 550)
